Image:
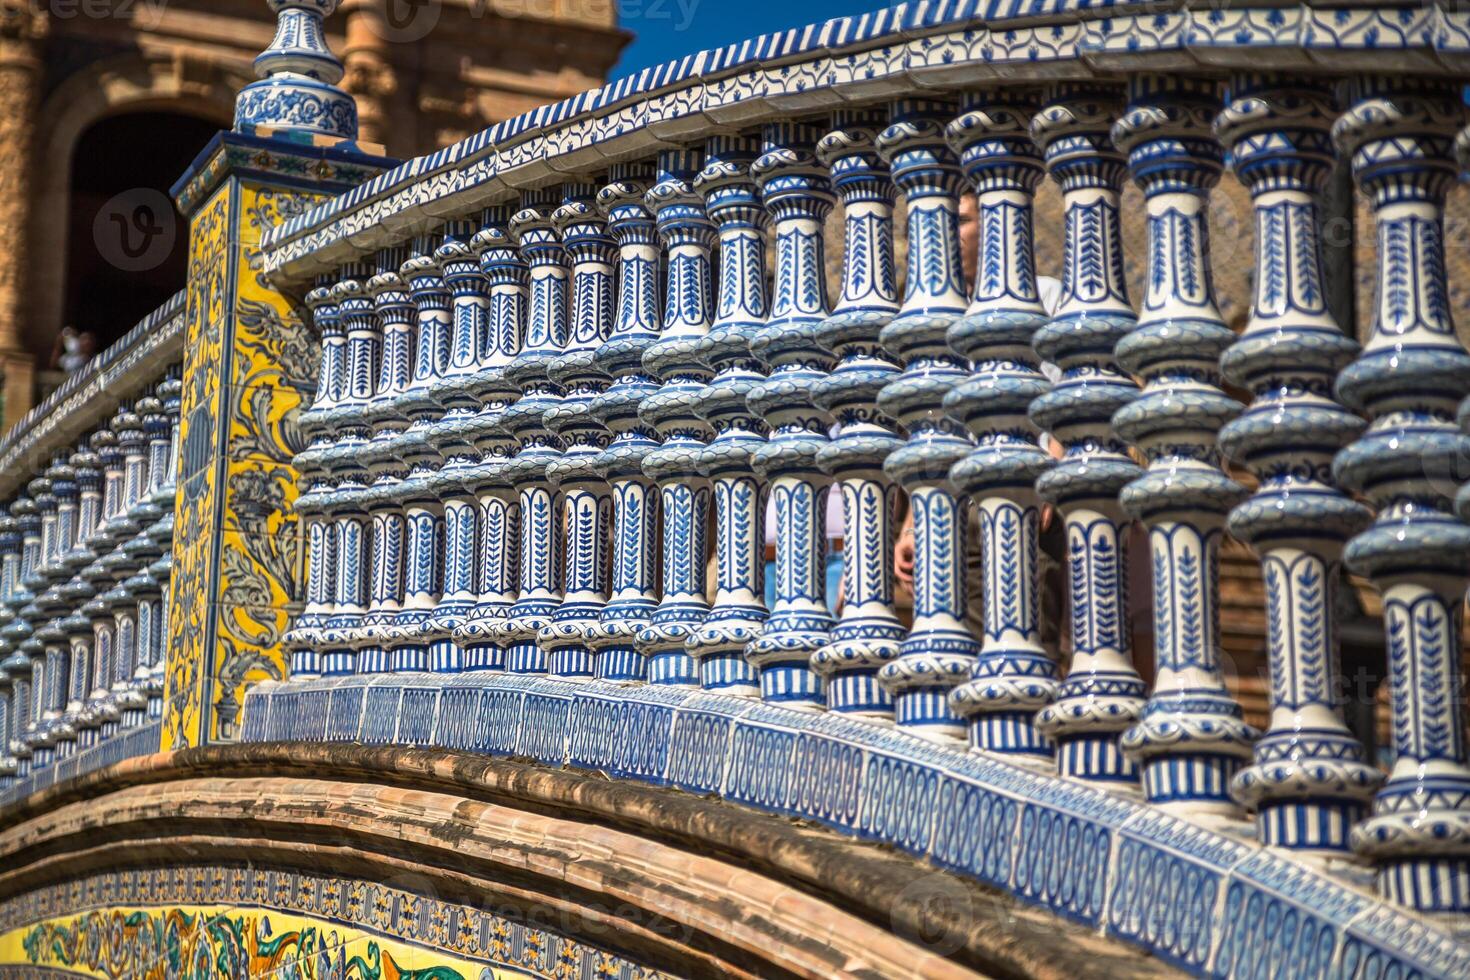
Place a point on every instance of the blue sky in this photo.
(668, 29)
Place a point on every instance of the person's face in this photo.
(969, 234)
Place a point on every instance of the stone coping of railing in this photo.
(92, 393)
(1208, 900)
(143, 740)
(906, 50)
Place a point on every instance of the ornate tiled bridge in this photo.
(391, 602)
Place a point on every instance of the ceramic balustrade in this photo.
(75, 582)
(522, 459)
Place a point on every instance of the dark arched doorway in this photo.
(127, 248)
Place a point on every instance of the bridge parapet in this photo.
(520, 467)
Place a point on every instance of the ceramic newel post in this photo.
(797, 195)
(688, 237)
(1191, 740)
(939, 651)
(1102, 694)
(1410, 377)
(634, 500)
(1309, 782)
(868, 633)
(1015, 676)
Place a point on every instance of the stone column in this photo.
(939, 651)
(23, 29)
(1191, 740)
(868, 633)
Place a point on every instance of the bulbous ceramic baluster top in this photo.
(1410, 377)
(28, 519)
(540, 578)
(1015, 676)
(64, 486)
(40, 491)
(797, 195)
(732, 200)
(435, 328)
(634, 596)
(452, 438)
(1191, 740)
(1309, 783)
(496, 496)
(354, 300)
(326, 318)
(87, 468)
(868, 633)
(939, 651)
(1102, 694)
(578, 474)
(395, 312)
(687, 236)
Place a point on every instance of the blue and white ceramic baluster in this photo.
(797, 195)
(732, 200)
(1410, 377)
(499, 510)
(364, 337)
(101, 715)
(170, 392)
(868, 633)
(634, 596)
(411, 633)
(577, 475)
(341, 633)
(540, 587)
(1191, 740)
(1015, 676)
(1102, 694)
(19, 629)
(385, 412)
(17, 667)
(453, 435)
(327, 320)
(7, 761)
(1309, 783)
(939, 651)
(688, 236)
